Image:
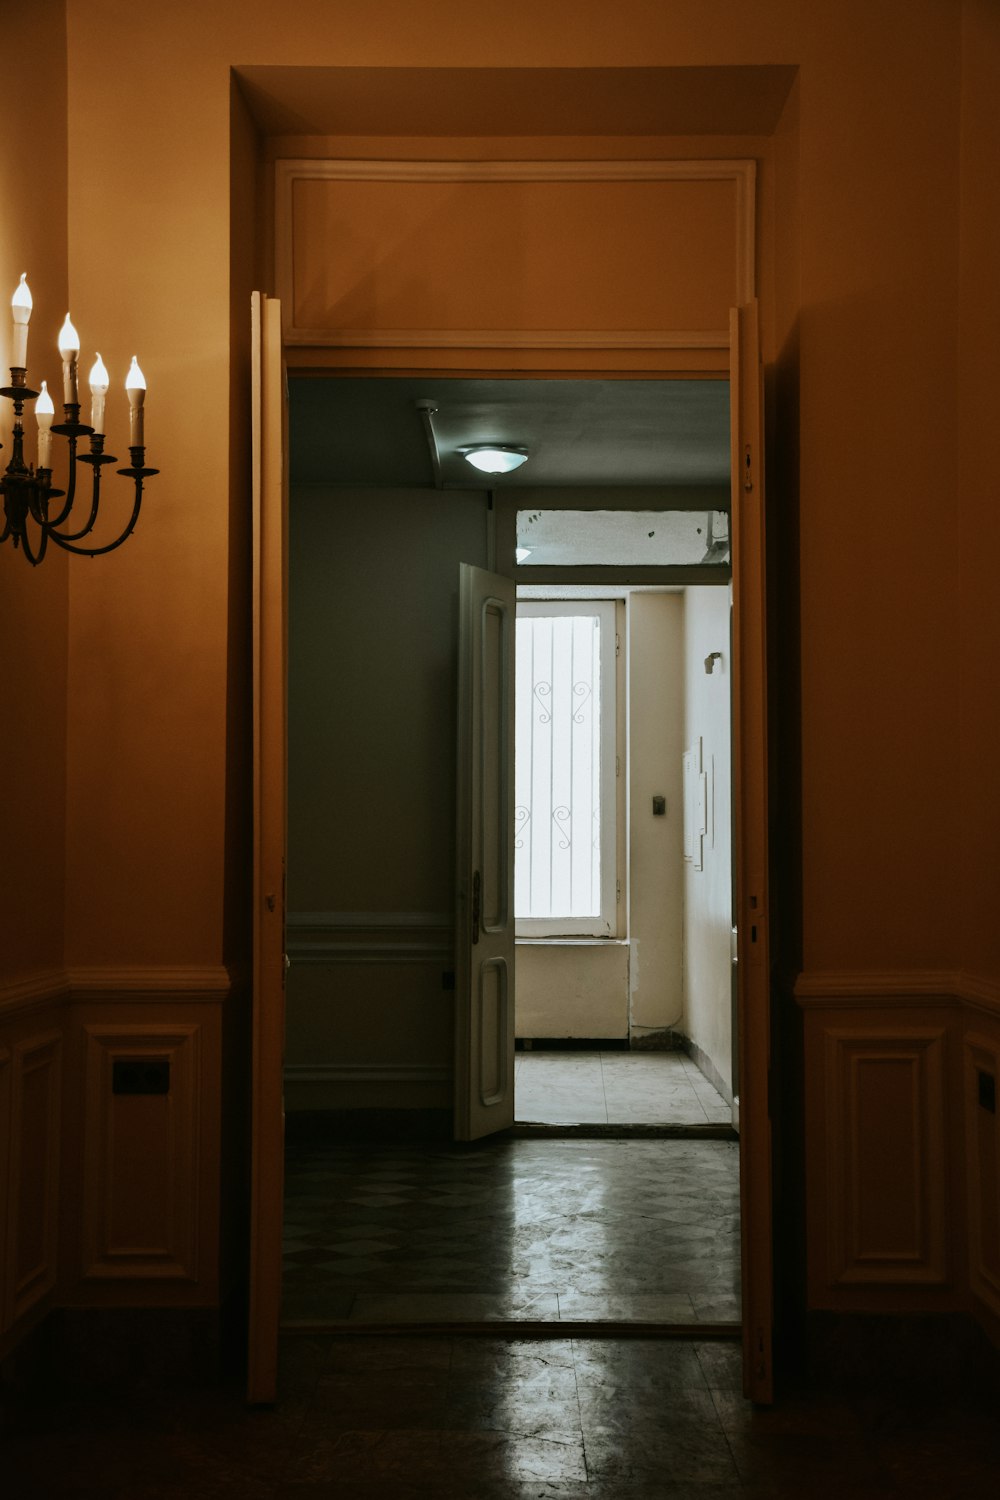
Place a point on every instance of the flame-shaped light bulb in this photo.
(69, 340)
(69, 348)
(99, 382)
(20, 306)
(44, 412)
(135, 386)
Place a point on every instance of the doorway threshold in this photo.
(511, 1329)
(596, 1131)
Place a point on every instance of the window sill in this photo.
(570, 942)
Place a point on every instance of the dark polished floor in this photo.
(450, 1418)
(512, 1229)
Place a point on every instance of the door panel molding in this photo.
(484, 1089)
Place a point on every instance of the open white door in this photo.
(484, 932)
(270, 532)
(751, 845)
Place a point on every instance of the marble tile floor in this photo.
(610, 1087)
(452, 1418)
(512, 1230)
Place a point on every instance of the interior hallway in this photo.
(614, 1087)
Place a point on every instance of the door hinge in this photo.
(747, 469)
(618, 644)
(618, 891)
(618, 765)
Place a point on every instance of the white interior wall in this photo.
(655, 844)
(371, 810)
(371, 706)
(633, 988)
(707, 985)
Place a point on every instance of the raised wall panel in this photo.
(981, 1059)
(886, 1158)
(141, 1187)
(480, 254)
(33, 1182)
(370, 1010)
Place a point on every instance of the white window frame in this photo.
(605, 923)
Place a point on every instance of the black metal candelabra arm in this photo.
(27, 492)
(72, 429)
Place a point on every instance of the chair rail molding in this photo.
(344, 937)
(29, 991)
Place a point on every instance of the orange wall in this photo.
(979, 510)
(877, 255)
(33, 601)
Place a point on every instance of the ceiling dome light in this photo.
(495, 458)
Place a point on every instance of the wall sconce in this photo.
(28, 490)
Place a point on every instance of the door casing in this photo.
(750, 747)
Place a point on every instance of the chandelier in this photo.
(33, 514)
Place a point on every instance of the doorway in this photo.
(374, 562)
(756, 1339)
(623, 873)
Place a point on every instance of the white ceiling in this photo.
(580, 433)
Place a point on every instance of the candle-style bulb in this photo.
(21, 301)
(99, 382)
(135, 380)
(69, 340)
(99, 378)
(69, 348)
(135, 385)
(44, 412)
(20, 306)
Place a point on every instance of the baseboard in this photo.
(655, 1039)
(705, 1065)
(882, 1351)
(366, 1086)
(329, 1126)
(77, 1348)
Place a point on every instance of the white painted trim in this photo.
(370, 953)
(349, 937)
(741, 172)
(653, 169)
(379, 921)
(504, 338)
(364, 1073)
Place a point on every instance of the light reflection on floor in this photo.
(609, 1087)
(513, 1229)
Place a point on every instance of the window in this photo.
(565, 876)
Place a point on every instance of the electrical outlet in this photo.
(140, 1075)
